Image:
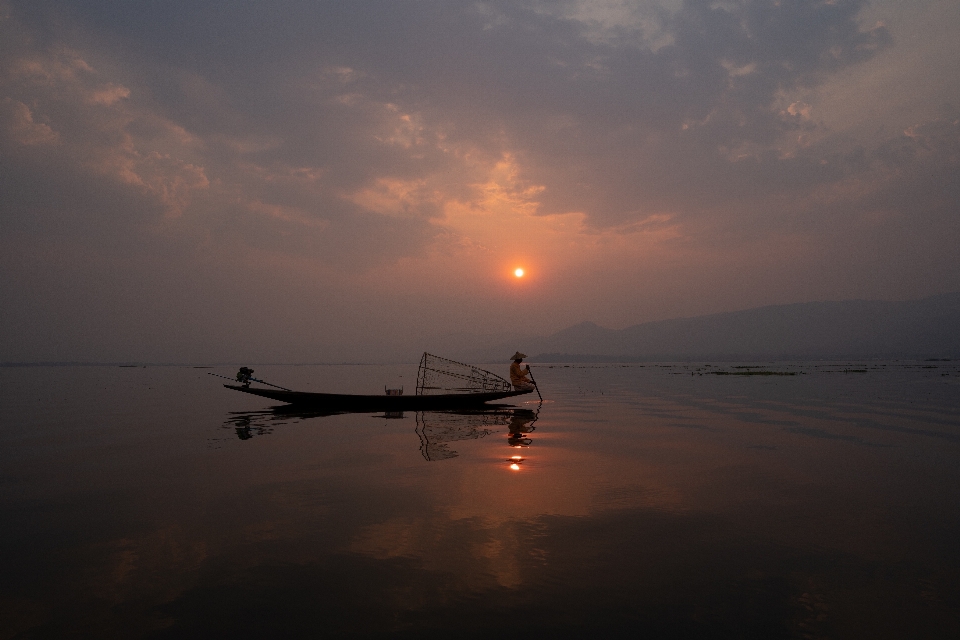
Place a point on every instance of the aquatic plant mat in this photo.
(752, 373)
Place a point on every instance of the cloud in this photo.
(98, 134)
(399, 157)
(603, 124)
(22, 128)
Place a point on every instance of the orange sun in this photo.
(518, 273)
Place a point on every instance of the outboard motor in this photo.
(244, 375)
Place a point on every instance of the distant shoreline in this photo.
(550, 359)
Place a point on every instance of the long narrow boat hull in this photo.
(350, 402)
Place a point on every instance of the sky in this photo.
(305, 181)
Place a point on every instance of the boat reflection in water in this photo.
(436, 429)
(248, 424)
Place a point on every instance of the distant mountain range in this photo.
(927, 328)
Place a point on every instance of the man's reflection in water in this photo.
(521, 424)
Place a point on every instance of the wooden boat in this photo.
(442, 385)
(352, 402)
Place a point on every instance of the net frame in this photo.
(438, 375)
(438, 429)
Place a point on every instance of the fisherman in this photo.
(518, 376)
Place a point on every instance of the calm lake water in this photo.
(659, 501)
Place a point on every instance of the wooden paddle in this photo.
(535, 385)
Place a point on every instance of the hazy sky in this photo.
(297, 180)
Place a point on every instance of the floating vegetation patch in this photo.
(752, 373)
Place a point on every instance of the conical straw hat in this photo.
(518, 356)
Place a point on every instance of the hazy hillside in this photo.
(852, 329)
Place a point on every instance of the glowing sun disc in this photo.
(518, 273)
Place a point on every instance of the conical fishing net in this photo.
(437, 430)
(438, 375)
